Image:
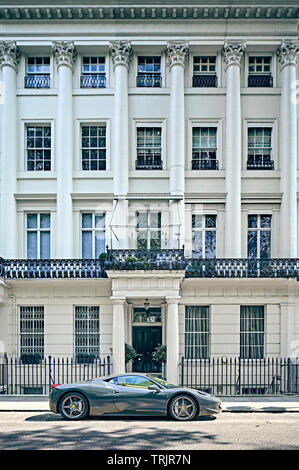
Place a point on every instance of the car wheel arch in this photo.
(188, 394)
(75, 392)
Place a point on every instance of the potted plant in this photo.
(159, 353)
(130, 353)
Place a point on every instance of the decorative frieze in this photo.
(177, 53)
(233, 51)
(287, 53)
(64, 53)
(9, 54)
(121, 52)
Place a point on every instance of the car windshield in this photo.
(162, 382)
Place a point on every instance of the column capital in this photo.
(177, 53)
(121, 52)
(9, 54)
(172, 300)
(65, 53)
(287, 53)
(118, 300)
(233, 51)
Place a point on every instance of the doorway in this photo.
(145, 337)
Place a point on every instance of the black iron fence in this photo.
(18, 377)
(228, 376)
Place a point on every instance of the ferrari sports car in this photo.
(130, 394)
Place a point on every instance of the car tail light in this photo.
(55, 385)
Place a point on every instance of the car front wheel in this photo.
(183, 408)
(73, 406)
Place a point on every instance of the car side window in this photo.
(136, 381)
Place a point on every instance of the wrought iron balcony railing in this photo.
(260, 81)
(149, 260)
(148, 162)
(153, 80)
(260, 162)
(93, 81)
(52, 269)
(201, 164)
(205, 81)
(243, 267)
(37, 81)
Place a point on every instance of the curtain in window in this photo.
(252, 332)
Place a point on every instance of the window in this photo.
(149, 148)
(32, 331)
(204, 148)
(259, 149)
(93, 140)
(148, 230)
(93, 235)
(38, 72)
(38, 148)
(197, 332)
(38, 236)
(259, 236)
(252, 332)
(149, 72)
(137, 381)
(93, 72)
(203, 236)
(87, 331)
(204, 71)
(260, 72)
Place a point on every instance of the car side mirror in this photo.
(155, 388)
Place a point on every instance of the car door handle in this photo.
(115, 391)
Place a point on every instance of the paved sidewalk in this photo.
(276, 404)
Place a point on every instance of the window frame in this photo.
(34, 307)
(216, 123)
(105, 73)
(259, 214)
(89, 149)
(79, 172)
(23, 160)
(93, 230)
(247, 332)
(27, 73)
(248, 124)
(149, 123)
(207, 333)
(38, 229)
(148, 228)
(87, 335)
(152, 56)
(273, 69)
(203, 229)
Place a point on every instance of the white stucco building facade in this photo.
(156, 132)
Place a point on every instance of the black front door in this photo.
(145, 339)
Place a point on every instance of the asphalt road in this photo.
(231, 431)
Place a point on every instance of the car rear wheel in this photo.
(183, 408)
(73, 406)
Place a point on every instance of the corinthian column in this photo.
(9, 59)
(65, 56)
(287, 56)
(121, 55)
(177, 55)
(233, 52)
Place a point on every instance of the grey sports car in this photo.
(131, 394)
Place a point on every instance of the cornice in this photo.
(220, 10)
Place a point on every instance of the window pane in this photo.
(210, 248)
(45, 245)
(156, 220)
(196, 221)
(31, 220)
(265, 221)
(45, 221)
(99, 243)
(252, 221)
(265, 244)
(32, 245)
(86, 244)
(197, 244)
(252, 244)
(100, 221)
(87, 220)
(210, 221)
